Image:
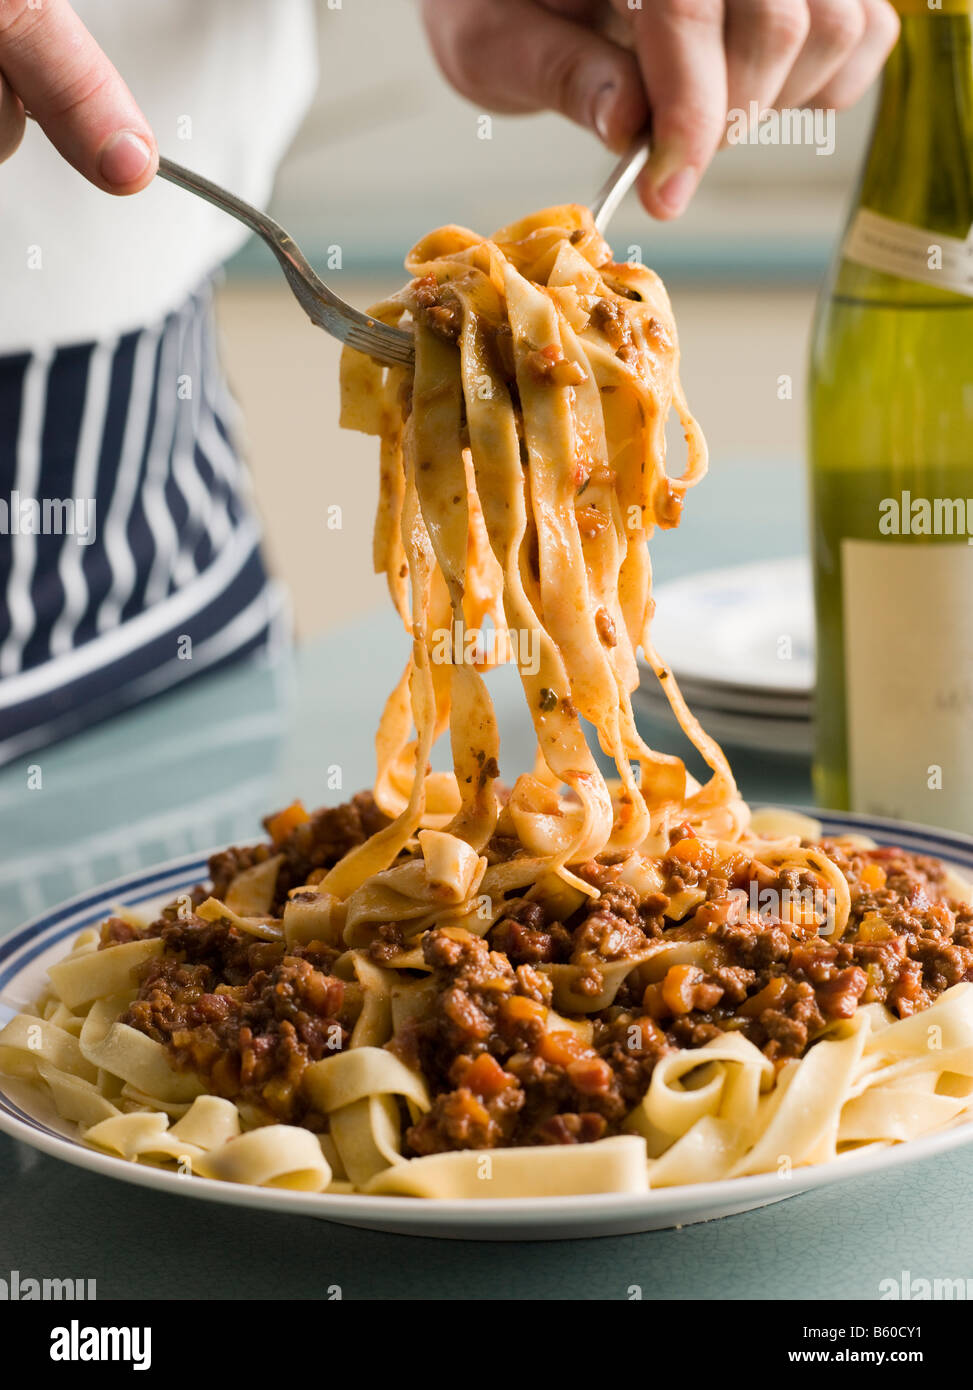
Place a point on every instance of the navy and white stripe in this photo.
(144, 424)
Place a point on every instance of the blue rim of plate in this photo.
(23, 945)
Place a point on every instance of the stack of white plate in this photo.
(741, 644)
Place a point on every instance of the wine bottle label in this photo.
(908, 623)
(911, 253)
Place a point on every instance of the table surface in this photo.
(198, 768)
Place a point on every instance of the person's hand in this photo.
(51, 65)
(608, 63)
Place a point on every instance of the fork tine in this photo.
(382, 342)
(348, 325)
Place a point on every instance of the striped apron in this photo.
(129, 548)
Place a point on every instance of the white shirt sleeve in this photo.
(225, 85)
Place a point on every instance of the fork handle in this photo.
(284, 247)
(620, 180)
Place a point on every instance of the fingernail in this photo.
(123, 158)
(677, 190)
(603, 107)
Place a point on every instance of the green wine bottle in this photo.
(891, 448)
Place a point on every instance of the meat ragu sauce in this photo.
(250, 1015)
(247, 1015)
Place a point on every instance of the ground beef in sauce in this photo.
(498, 1076)
(610, 318)
(437, 308)
(780, 989)
(309, 850)
(250, 1015)
(247, 1015)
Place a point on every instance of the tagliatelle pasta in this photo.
(578, 984)
(522, 478)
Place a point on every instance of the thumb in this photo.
(62, 77)
(516, 57)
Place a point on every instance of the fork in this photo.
(326, 309)
(322, 306)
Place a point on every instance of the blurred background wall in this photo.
(388, 152)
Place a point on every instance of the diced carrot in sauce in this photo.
(548, 365)
(281, 825)
(561, 1048)
(591, 521)
(873, 876)
(517, 1008)
(686, 849)
(592, 1076)
(736, 867)
(875, 928)
(648, 1035)
(485, 1077)
(711, 914)
(679, 987)
(653, 1002)
(473, 1108)
(771, 994)
(692, 851)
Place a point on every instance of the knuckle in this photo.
(692, 128)
(838, 25)
(883, 18)
(17, 19)
(694, 12)
(79, 90)
(564, 70)
(785, 24)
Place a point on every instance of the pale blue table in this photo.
(199, 768)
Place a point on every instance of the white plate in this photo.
(794, 738)
(735, 699)
(728, 627)
(25, 1115)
